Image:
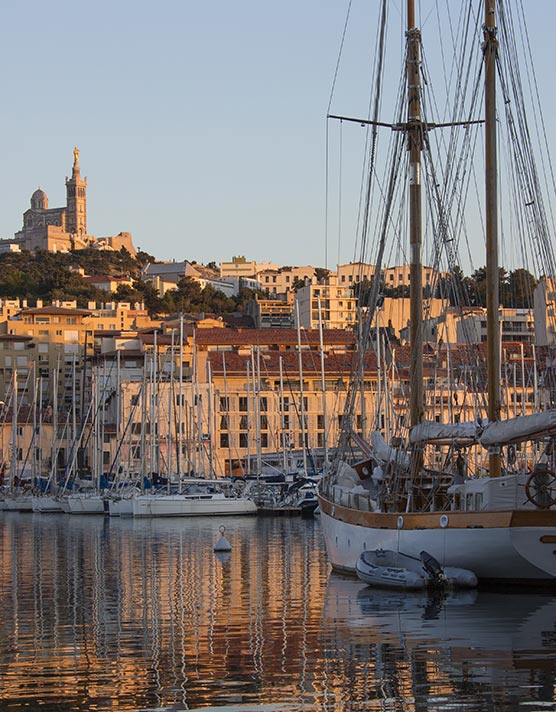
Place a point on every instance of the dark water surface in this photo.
(105, 614)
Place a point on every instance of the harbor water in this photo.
(100, 613)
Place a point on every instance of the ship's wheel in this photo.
(540, 487)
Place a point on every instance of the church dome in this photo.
(39, 200)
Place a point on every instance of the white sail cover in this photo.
(518, 429)
(430, 431)
(385, 452)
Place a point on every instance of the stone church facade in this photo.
(63, 229)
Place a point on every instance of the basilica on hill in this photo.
(62, 229)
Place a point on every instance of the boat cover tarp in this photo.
(385, 452)
(432, 432)
(517, 429)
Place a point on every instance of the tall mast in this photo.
(491, 208)
(415, 143)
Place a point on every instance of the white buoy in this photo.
(222, 544)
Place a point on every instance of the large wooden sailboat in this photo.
(501, 525)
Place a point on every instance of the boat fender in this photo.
(222, 544)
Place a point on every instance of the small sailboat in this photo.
(198, 497)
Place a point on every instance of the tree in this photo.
(321, 273)
(521, 285)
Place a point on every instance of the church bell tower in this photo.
(76, 191)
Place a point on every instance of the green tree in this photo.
(521, 285)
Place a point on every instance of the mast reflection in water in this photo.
(99, 613)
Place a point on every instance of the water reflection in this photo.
(464, 650)
(143, 613)
(98, 613)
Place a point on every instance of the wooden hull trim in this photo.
(436, 520)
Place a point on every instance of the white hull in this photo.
(85, 504)
(18, 503)
(159, 505)
(120, 507)
(46, 503)
(504, 552)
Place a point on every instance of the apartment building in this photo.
(338, 305)
(400, 276)
(279, 282)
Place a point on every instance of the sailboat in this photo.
(500, 525)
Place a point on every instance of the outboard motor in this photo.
(433, 568)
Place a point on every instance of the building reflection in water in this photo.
(99, 613)
(144, 613)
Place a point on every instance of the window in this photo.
(224, 440)
(264, 439)
(243, 422)
(224, 404)
(243, 404)
(243, 442)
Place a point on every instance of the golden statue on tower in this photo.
(75, 156)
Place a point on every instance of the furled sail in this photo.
(385, 452)
(430, 431)
(518, 429)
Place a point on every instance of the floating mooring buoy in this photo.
(222, 544)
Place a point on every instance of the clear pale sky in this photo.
(201, 125)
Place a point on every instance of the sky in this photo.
(201, 125)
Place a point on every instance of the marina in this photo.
(254, 487)
(114, 613)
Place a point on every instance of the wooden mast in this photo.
(491, 209)
(415, 143)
